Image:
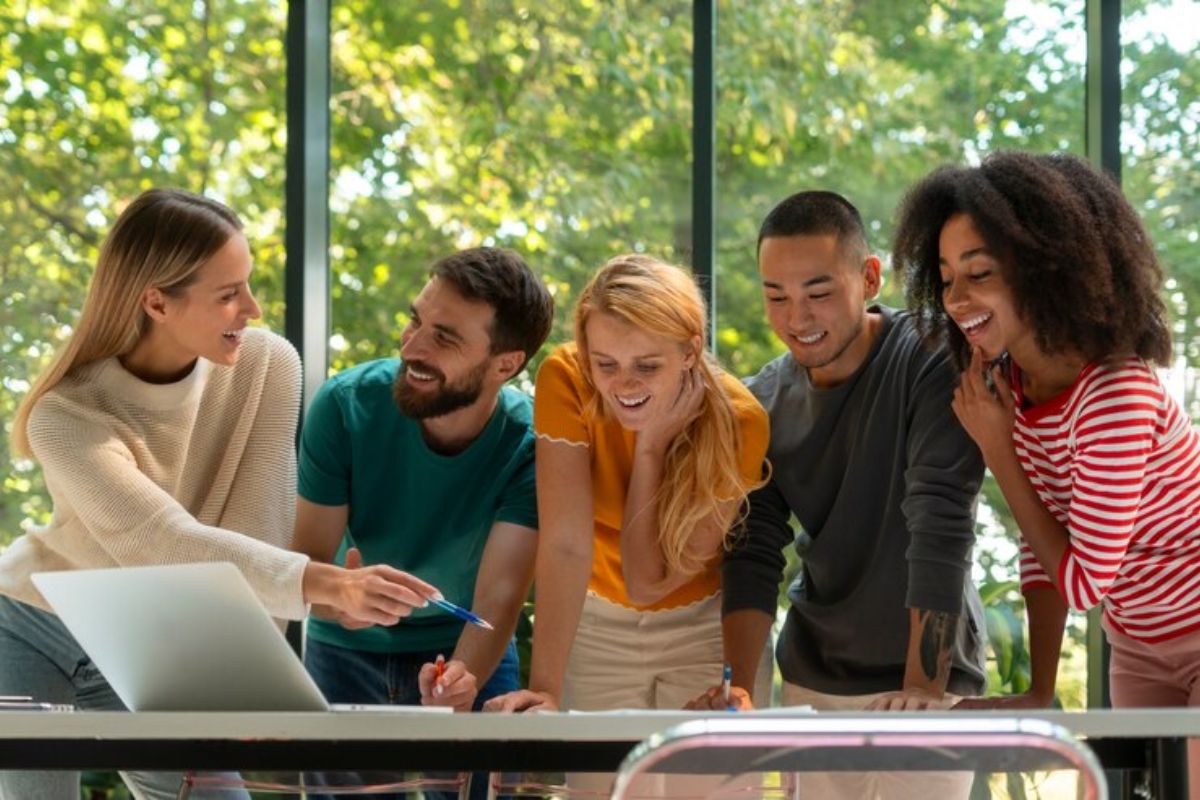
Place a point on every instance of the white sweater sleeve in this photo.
(94, 477)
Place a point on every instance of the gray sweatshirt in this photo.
(883, 481)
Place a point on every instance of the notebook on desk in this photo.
(185, 637)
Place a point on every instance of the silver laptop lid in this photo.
(183, 637)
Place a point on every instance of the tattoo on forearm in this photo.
(937, 638)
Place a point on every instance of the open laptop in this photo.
(184, 637)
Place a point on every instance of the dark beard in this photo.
(446, 400)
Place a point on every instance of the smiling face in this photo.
(814, 293)
(637, 374)
(446, 352)
(975, 294)
(208, 317)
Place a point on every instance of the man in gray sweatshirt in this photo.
(869, 458)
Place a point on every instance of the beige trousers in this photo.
(623, 658)
(872, 785)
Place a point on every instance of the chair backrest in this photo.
(296, 784)
(786, 757)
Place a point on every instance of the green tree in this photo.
(99, 101)
(561, 129)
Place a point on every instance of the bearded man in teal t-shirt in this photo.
(425, 463)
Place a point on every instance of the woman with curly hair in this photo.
(1043, 279)
(646, 450)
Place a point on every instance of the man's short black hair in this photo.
(501, 278)
(817, 213)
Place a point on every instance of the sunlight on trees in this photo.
(562, 130)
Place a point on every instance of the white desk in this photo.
(1144, 739)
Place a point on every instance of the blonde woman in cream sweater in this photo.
(165, 428)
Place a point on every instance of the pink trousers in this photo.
(1161, 675)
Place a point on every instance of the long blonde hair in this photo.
(159, 241)
(701, 471)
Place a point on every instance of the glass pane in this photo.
(560, 130)
(1160, 137)
(99, 101)
(865, 99)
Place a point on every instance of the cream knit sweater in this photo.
(199, 470)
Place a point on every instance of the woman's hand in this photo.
(986, 417)
(360, 596)
(664, 427)
(714, 700)
(522, 700)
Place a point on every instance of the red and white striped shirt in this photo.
(1117, 462)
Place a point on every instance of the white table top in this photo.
(559, 727)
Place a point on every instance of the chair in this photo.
(296, 783)
(749, 756)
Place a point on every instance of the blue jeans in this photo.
(357, 676)
(40, 658)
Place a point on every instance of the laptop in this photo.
(185, 637)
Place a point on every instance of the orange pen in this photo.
(439, 667)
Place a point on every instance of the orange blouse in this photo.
(560, 401)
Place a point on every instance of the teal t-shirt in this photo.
(409, 507)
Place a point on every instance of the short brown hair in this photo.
(501, 278)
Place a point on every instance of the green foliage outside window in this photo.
(561, 129)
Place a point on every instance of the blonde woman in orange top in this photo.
(646, 450)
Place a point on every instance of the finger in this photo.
(453, 676)
(978, 363)
(408, 582)
(366, 612)
(702, 702)
(1003, 390)
(972, 381)
(740, 699)
(395, 597)
(494, 704)
(460, 691)
(353, 558)
(508, 703)
(381, 610)
(425, 679)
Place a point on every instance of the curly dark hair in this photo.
(1082, 270)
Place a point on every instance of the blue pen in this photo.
(460, 612)
(726, 684)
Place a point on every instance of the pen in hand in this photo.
(460, 612)
(439, 668)
(726, 685)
